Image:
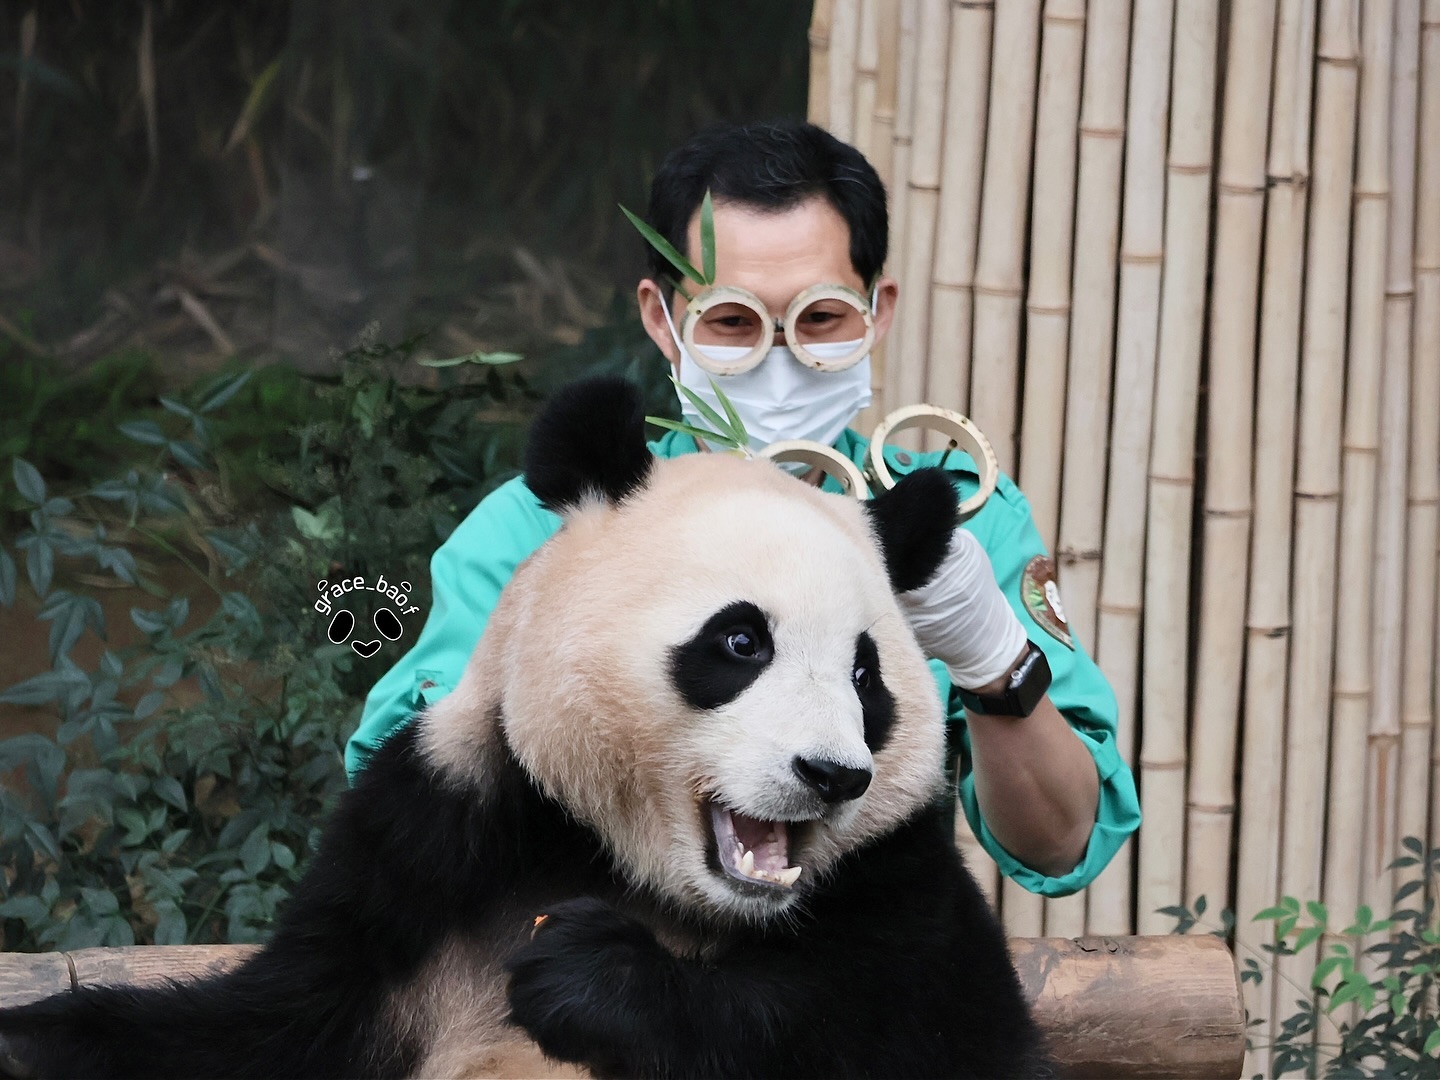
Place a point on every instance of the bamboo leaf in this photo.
(665, 248)
(707, 238)
(227, 389)
(256, 100)
(736, 424)
(710, 416)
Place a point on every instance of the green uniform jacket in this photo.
(472, 566)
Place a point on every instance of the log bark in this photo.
(1163, 1006)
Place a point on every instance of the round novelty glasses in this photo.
(728, 330)
(960, 432)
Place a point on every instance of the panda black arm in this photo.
(898, 968)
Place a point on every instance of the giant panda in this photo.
(683, 815)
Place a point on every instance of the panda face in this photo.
(727, 691)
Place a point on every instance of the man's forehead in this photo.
(782, 250)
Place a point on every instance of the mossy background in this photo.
(234, 239)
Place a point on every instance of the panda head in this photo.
(707, 664)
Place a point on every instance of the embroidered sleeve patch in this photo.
(1041, 597)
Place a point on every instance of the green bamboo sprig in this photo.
(687, 269)
(727, 431)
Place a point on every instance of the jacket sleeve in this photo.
(1078, 690)
(467, 573)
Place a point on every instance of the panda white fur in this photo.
(706, 659)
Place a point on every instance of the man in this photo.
(1040, 777)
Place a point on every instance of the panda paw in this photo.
(587, 985)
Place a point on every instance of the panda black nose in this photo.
(832, 781)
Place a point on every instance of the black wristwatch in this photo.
(1024, 688)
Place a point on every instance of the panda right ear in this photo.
(588, 441)
(914, 521)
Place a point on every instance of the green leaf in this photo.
(29, 481)
(7, 579)
(255, 851)
(171, 929)
(169, 789)
(666, 249)
(494, 359)
(177, 408)
(1432, 1044)
(1317, 911)
(224, 390)
(144, 431)
(100, 901)
(707, 237)
(710, 416)
(1270, 913)
(171, 843)
(1308, 937)
(737, 426)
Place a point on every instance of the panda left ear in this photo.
(914, 520)
(588, 441)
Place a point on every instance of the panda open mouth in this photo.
(752, 850)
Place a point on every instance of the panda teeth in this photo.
(747, 864)
(789, 875)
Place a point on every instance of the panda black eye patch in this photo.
(724, 657)
(876, 703)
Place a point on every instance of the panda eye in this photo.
(741, 643)
(862, 678)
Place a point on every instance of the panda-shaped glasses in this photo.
(728, 330)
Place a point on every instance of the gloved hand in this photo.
(963, 619)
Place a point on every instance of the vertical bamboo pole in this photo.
(906, 371)
(1087, 395)
(1000, 260)
(1394, 688)
(1052, 226)
(875, 133)
(1137, 329)
(867, 77)
(1166, 646)
(1268, 614)
(1234, 306)
(1317, 477)
(844, 41)
(905, 77)
(817, 107)
(1420, 637)
(1346, 802)
(967, 90)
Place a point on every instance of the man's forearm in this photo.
(1037, 786)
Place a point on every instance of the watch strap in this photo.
(1025, 686)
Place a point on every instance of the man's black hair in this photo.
(769, 166)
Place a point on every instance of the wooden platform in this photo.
(1112, 1007)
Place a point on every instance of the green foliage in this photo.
(181, 791)
(1389, 984)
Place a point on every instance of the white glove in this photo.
(963, 619)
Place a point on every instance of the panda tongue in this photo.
(769, 840)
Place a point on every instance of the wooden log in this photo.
(818, 104)
(844, 41)
(1162, 1006)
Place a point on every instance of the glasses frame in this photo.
(875, 474)
(715, 295)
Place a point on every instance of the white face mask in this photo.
(779, 398)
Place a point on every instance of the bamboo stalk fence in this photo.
(1180, 259)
